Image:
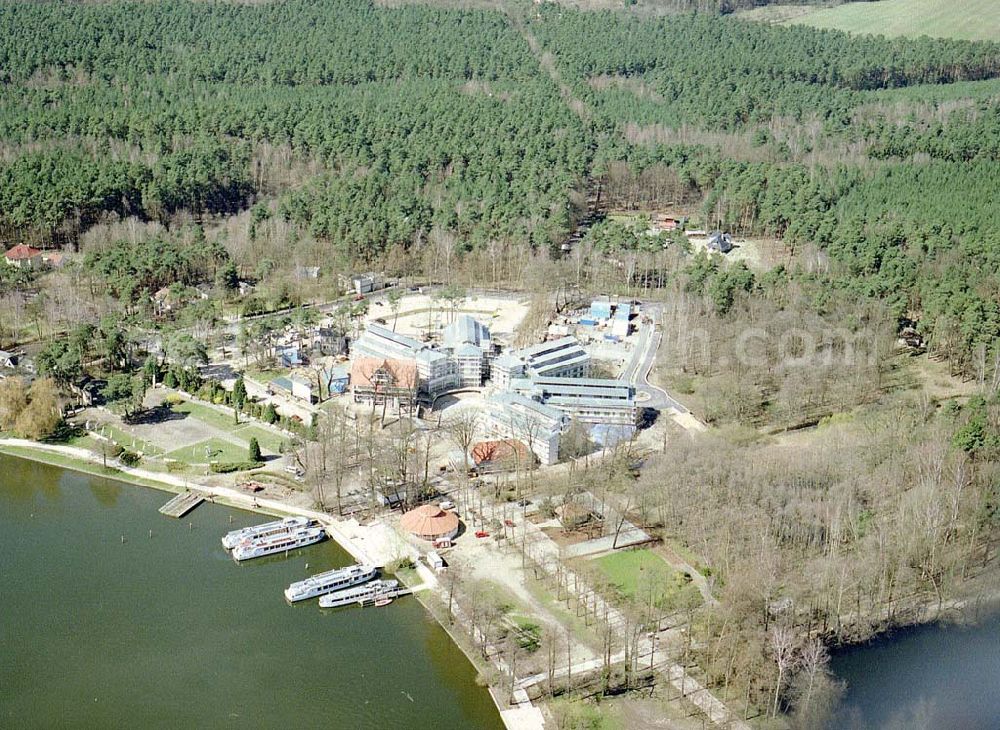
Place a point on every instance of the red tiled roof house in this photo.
(24, 257)
(377, 381)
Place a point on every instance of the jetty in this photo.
(182, 504)
(391, 595)
(397, 593)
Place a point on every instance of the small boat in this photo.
(234, 538)
(385, 601)
(280, 543)
(332, 580)
(377, 590)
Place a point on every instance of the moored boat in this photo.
(280, 543)
(254, 532)
(331, 580)
(376, 590)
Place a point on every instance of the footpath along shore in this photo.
(376, 544)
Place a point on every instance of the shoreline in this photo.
(79, 460)
(347, 533)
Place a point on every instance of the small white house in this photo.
(301, 388)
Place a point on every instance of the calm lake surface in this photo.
(934, 676)
(169, 632)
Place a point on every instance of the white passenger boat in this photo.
(331, 580)
(377, 590)
(280, 543)
(289, 524)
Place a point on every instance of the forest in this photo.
(191, 150)
(371, 130)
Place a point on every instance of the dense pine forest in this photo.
(370, 130)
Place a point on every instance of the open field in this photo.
(186, 430)
(633, 570)
(213, 449)
(976, 20)
(268, 440)
(417, 312)
(206, 414)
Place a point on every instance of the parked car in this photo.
(447, 504)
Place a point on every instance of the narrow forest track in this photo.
(548, 64)
(594, 212)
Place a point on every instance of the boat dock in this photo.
(396, 593)
(182, 504)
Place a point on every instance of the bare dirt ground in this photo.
(760, 254)
(935, 379)
(419, 314)
(484, 561)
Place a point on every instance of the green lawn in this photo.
(210, 450)
(633, 571)
(963, 19)
(128, 441)
(85, 441)
(265, 376)
(268, 440)
(213, 417)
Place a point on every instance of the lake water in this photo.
(169, 632)
(924, 677)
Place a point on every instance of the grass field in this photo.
(977, 20)
(216, 418)
(268, 440)
(210, 450)
(128, 441)
(633, 570)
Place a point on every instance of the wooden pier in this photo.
(182, 504)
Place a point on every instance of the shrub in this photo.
(229, 467)
(129, 458)
(399, 564)
(269, 415)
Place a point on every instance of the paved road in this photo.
(637, 372)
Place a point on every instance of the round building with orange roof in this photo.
(430, 522)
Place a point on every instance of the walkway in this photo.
(545, 553)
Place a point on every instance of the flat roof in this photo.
(574, 402)
(550, 346)
(559, 363)
(528, 404)
(508, 360)
(386, 333)
(585, 392)
(590, 382)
